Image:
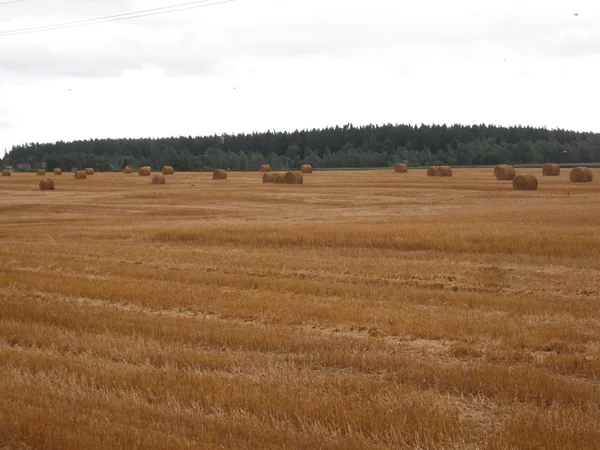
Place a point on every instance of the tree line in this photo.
(347, 146)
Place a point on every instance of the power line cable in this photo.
(83, 21)
(14, 1)
(117, 17)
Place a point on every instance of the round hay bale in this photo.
(46, 185)
(306, 168)
(168, 170)
(505, 172)
(127, 170)
(40, 172)
(401, 168)
(6, 173)
(278, 178)
(293, 178)
(525, 182)
(89, 171)
(431, 171)
(268, 177)
(443, 171)
(219, 174)
(144, 171)
(57, 171)
(581, 175)
(158, 179)
(264, 168)
(551, 170)
(80, 175)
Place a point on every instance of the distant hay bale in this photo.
(431, 171)
(401, 168)
(306, 168)
(6, 173)
(158, 179)
(293, 178)
(273, 177)
(168, 170)
(127, 170)
(443, 171)
(504, 172)
(40, 172)
(47, 185)
(264, 168)
(219, 174)
(525, 182)
(57, 171)
(144, 171)
(89, 171)
(551, 170)
(80, 175)
(581, 175)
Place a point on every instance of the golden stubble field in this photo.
(358, 310)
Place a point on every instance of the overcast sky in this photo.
(284, 64)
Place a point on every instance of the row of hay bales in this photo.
(439, 171)
(57, 171)
(295, 177)
(432, 171)
(529, 181)
(146, 171)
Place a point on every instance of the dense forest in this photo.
(339, 147)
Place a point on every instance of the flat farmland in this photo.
(360, 310)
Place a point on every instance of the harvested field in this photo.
(355, 311)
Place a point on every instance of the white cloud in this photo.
(274, 64)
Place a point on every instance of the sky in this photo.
(257, 65)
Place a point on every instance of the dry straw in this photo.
(144, 171)
(219, 174)
(293, 178)
(525, 182)
(47, 185)
(57, 171)
(306, 168)
(6, 173)
(431, 171)
(168, 170)
(40, 172)
(158, 179)
(401, 168)
(127, 170)
(505, 172)
(80, 175)
(264, 168)
(581, 175)
(443, 171)
(551, 170)
(89, 171)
